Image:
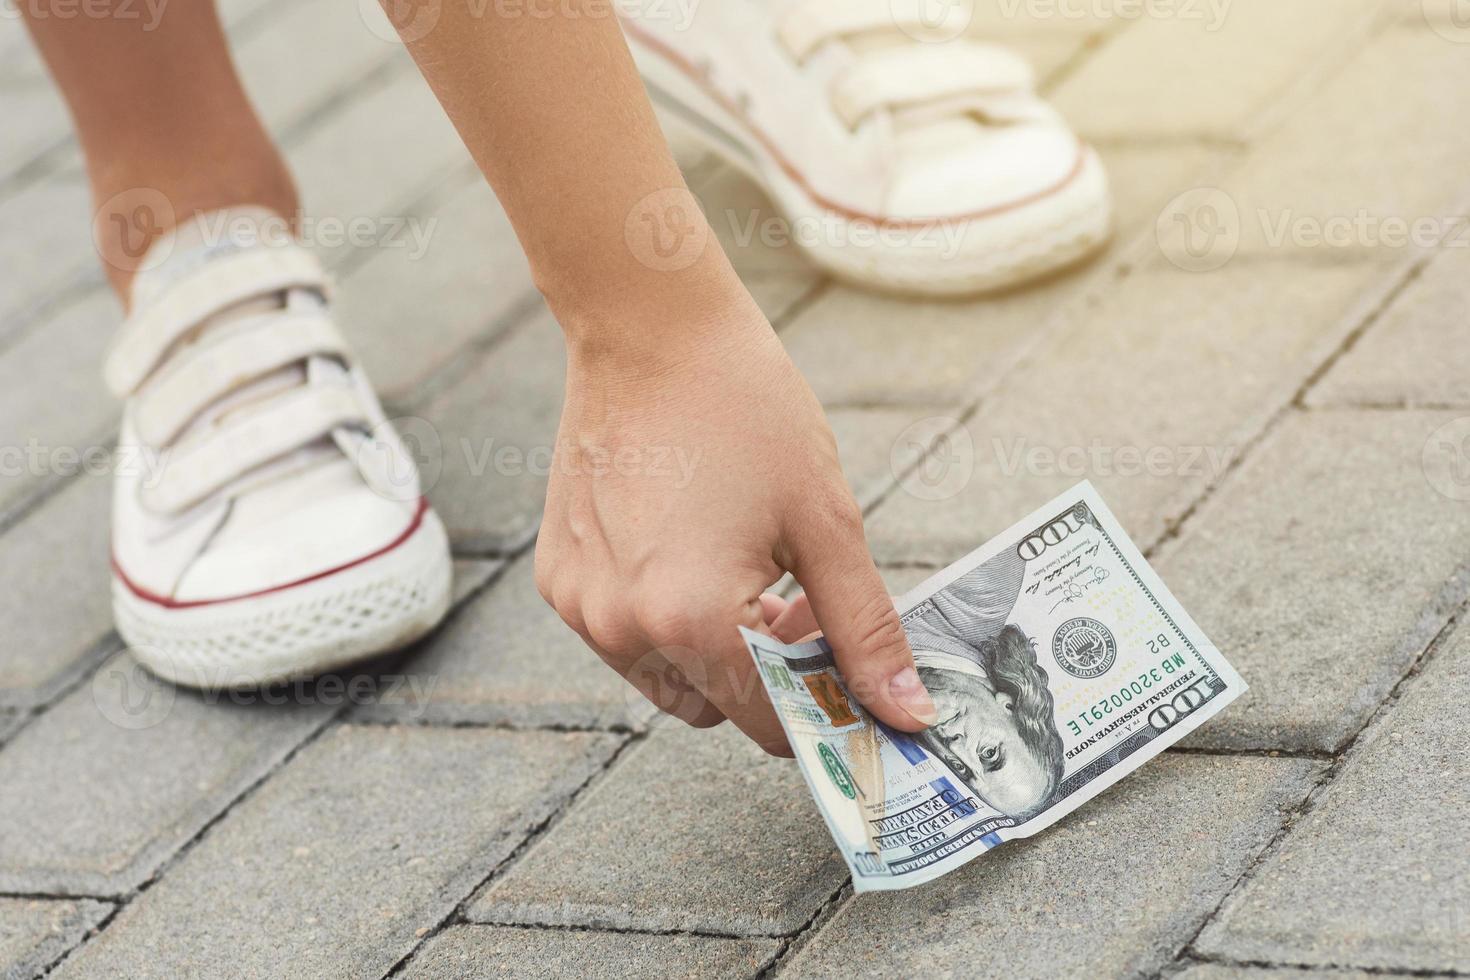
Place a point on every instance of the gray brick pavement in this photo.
(106, 785)
(1409, 358)
(496, 427)
(34, 933)
(506, 658)
(1375, 877)
(552, 954)
(1118, 397)
(351, 853)
(662, 844)
(1320, 569)
(58, 613)
(1115, 889)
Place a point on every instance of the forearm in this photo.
(552, 109)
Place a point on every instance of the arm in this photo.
(668, 356)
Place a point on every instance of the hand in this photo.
(687, 477)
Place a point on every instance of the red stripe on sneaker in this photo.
(168, 602)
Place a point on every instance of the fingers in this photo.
(853, 609)
(709, 648)
(796, 622)
(688, 661)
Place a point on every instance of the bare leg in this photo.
(164, 123)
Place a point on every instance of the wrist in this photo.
(647, 329)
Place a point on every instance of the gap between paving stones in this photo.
(1304, 968)
(456, 915)
(1328, 776)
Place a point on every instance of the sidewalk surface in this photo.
(1267, 376)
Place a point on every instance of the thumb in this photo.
(854, 611)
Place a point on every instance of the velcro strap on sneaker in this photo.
(193, 472)
(224, 360)
(222, 282)
(916, 75)
(813, 22)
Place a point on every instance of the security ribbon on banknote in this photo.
(1058, 662)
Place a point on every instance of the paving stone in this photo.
(48, 247)
(496, 429)
(35, 932)
(333, 866)
(847, 341)
(506, 658)
(1150, 393)
(872, 442)
(1363, 159)
(357, 168)
(309, 50)
(1384, 825)
(551, 954)
(1165, 76)
(1408, 357)
(1113, 890)
(409, 315)
(57, 606)
(470, 575)
(1320, 569)
(10, 720)
(106, 785)
(662, 844)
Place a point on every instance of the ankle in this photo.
(134, 213)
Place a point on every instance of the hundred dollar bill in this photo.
(1059, 664)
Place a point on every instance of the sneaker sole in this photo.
(998, 250)
(358, 612)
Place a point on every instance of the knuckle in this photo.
(606, 625)
(667, 620)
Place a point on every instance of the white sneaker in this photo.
(904, 154)
(267, 520)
